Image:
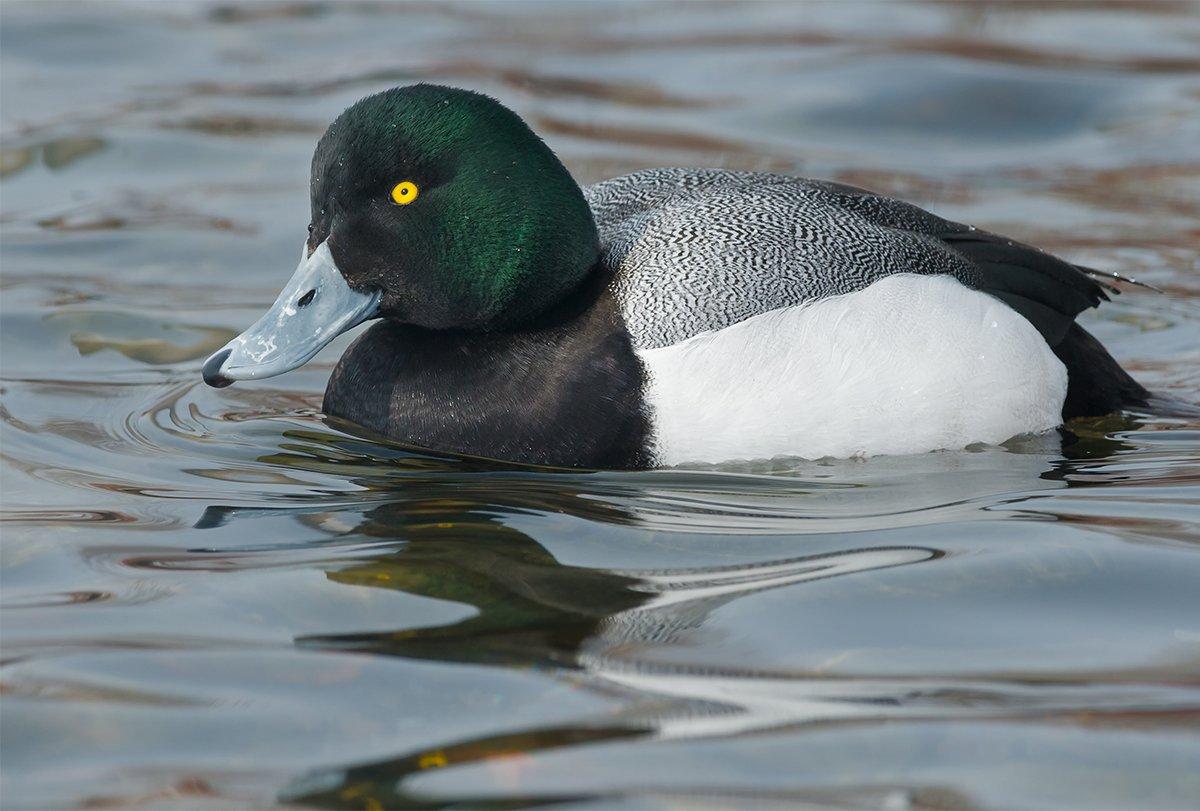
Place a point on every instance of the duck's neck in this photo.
(565, 390)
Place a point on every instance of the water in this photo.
(213, 599)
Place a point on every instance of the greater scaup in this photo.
(667, 316)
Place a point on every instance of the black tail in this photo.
(1096, 384)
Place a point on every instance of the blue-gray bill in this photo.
(316, 306)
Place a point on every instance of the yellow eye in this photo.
(404, 193)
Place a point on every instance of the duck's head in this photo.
(432, 206)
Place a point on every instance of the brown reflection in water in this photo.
(233, 125)
(1012, 54)
(659, 139)
(153, 350)
(62, 517)
(963, 47)
(60, 599)
(378, 786)
(1138, 188)
(545, 85)
(381, 785)
(183, 791)
(372, 788)
(137, 210)
(57, 153)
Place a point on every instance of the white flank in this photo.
(910, 364)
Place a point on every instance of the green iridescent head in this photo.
(448, 203)
(432, 206)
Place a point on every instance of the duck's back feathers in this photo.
(693, 250)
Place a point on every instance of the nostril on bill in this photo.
(212, 370)
(306, 299)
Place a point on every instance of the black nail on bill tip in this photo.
(212, 370)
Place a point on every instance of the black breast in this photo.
(565, 392)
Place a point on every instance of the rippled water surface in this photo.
(214, 599)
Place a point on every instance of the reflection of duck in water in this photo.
(669, 316)
(533, 610)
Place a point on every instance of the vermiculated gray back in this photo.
(702, 249)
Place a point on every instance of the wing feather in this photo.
(693, 250)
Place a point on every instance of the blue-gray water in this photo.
(211, 599)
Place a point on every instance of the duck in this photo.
(667, 317)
